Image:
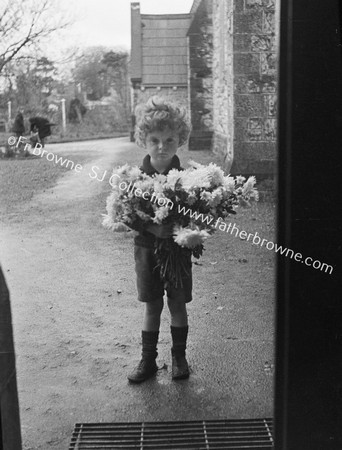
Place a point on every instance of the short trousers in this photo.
(149, 284)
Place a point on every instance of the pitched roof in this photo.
(199, 8)
(195, 5)
(164, 49)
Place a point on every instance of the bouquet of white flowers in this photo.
(192, 200)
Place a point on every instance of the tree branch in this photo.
(14, 19)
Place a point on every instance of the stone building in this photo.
(244, 84)
(159, 56)
(220, 61)
(200, 81)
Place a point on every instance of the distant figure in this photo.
(34, 136)
(41, 126)
(133, 120)
(76, 111)
(18, 125)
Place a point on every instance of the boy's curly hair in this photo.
(158, 114)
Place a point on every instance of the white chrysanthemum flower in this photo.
(112, 203)
(107, 221)
(158, 187)
(134, 173)
(195, 178)
(122, 170)
(248, 187)
(229, 183)
(187, 237)
(212, 198)
(160, 178)
(248, 190)
(126, 174)
(240, 179)
(254, 195)
(158, 181)
(206, 196)
(160, 214)
(172, 178)
(212, 171)
(216, 197)
(115, 179)
(216, 174)
(115, 209)
(146, 185)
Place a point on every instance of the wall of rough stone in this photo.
(179, 95)
(223, 79)
(200, 37)
(244, 72)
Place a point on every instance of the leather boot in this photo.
(147, 366)
(180, 368)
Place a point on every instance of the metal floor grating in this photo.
(207, 435)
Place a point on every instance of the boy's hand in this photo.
(161, 231)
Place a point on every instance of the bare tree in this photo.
(25, 23)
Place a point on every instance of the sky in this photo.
(107, 22)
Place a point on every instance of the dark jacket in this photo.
(43, 125)
(18, 125)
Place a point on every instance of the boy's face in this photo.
(162, 145)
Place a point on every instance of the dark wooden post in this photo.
(308, 412)
(9, 406)
(136, 53)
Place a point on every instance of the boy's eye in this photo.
(154, 141)
(169, 140)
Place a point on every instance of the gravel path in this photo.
(77, 322)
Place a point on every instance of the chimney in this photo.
(136, 53)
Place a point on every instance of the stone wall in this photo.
(223, 80)
(178, 95)
(244, 72)
(200, 41)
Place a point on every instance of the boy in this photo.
(161, 129)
